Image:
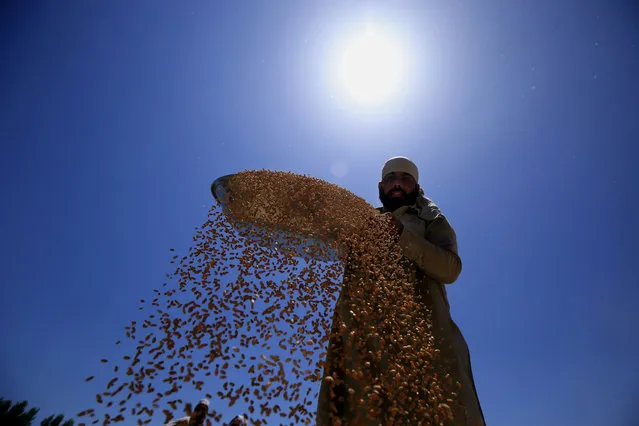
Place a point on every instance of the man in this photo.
(429, 242)
(238, 421)
(196, 418)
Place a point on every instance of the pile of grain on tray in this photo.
(255, 298)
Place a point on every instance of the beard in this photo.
(392, 203)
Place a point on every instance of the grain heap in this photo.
(254, 297)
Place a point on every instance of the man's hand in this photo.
(394, 225)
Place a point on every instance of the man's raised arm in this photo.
(436, 255)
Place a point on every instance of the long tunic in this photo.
(429, 242)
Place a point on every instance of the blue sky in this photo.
(522, 116)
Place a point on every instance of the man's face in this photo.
(200, 412)
(398, 189)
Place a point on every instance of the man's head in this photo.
(200, 412)
(399, 185)
(238, 421)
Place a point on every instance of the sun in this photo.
(371, 67)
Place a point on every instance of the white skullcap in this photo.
(400, 164)
(203, 402)
(240, 419)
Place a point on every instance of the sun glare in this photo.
(371, 67)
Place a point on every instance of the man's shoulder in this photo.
(424, 208)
